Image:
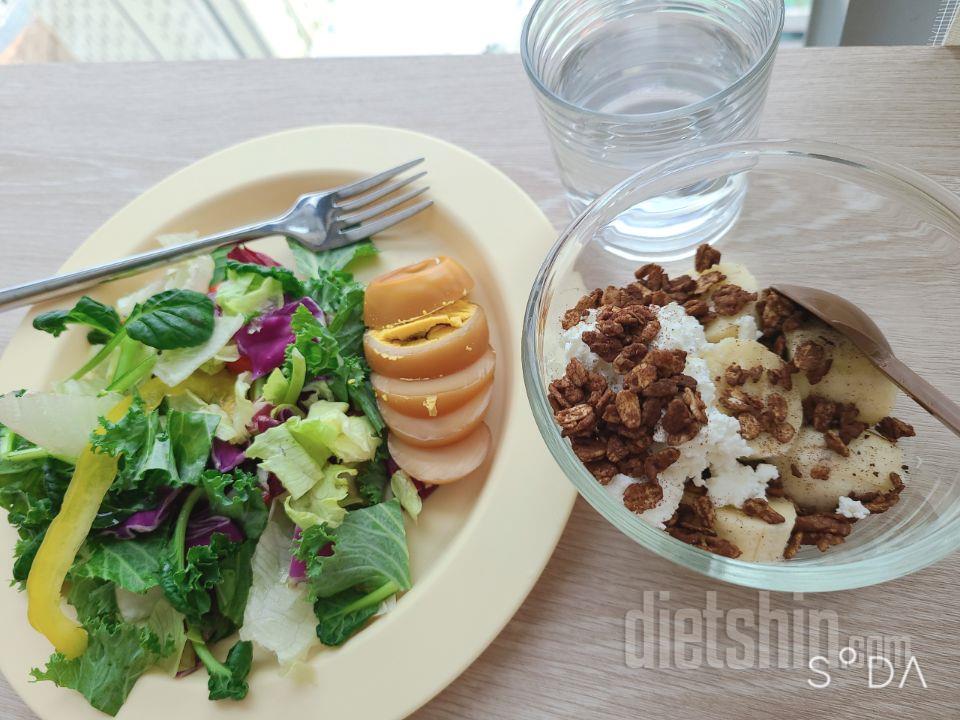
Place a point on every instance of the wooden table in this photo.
(77, 142)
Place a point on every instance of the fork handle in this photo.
(60, 285)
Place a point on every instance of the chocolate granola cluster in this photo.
(693, 523)
(755, 414)
(612, 432)
(699, 297)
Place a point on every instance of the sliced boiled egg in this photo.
(441, 430)
(435, 345)
(435, 396)
(410, 292)
(439, 465)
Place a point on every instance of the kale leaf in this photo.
(347, 376)
(342, 615)
(310, 263)
(117, 654)
(236, 578)
(31, 491)
(228, 680)
(191, 436)
(156, 452)
(371, 479)
(133, 564)
(188, 588)
(369, 551)
(238, 496)
(341, 299)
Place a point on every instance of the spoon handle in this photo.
(927, 396)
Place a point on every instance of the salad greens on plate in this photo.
(213, 476)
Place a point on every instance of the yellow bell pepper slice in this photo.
(92, 477)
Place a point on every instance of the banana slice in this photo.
(852, 378)
(758, 540)
(723, 327)
(824, 476)
(749, 354)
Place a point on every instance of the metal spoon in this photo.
(845, 317)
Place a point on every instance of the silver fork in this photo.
(319, 221)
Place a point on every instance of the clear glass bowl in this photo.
(815, 214)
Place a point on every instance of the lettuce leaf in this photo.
(235, 413)
(194, 274)
(58, 423)
(288, 281)
(328, 430)
(406, 492)
(279, 616)
(248, 294)
(175, 366)
(321, 504)
(281, 454)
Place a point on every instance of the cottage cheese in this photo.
(747, 328)
(679, 331)
(853, 509)
(573, 347)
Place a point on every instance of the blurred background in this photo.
(38, 31)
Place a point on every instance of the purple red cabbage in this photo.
(203, 524)
(262, 419)
(226, 457)
(241, 253)
(146, 520)
(273, 488)
(298, 568)
(264, 340)
(189, 670)
(424, 490)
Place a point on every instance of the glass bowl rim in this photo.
(783, 576)
(742, 81)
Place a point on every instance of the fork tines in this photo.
(358, 213)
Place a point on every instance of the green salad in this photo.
(212, 477)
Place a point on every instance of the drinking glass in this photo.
(622, 84)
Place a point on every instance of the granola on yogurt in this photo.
(724, 414)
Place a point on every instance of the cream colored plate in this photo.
(480, 544)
